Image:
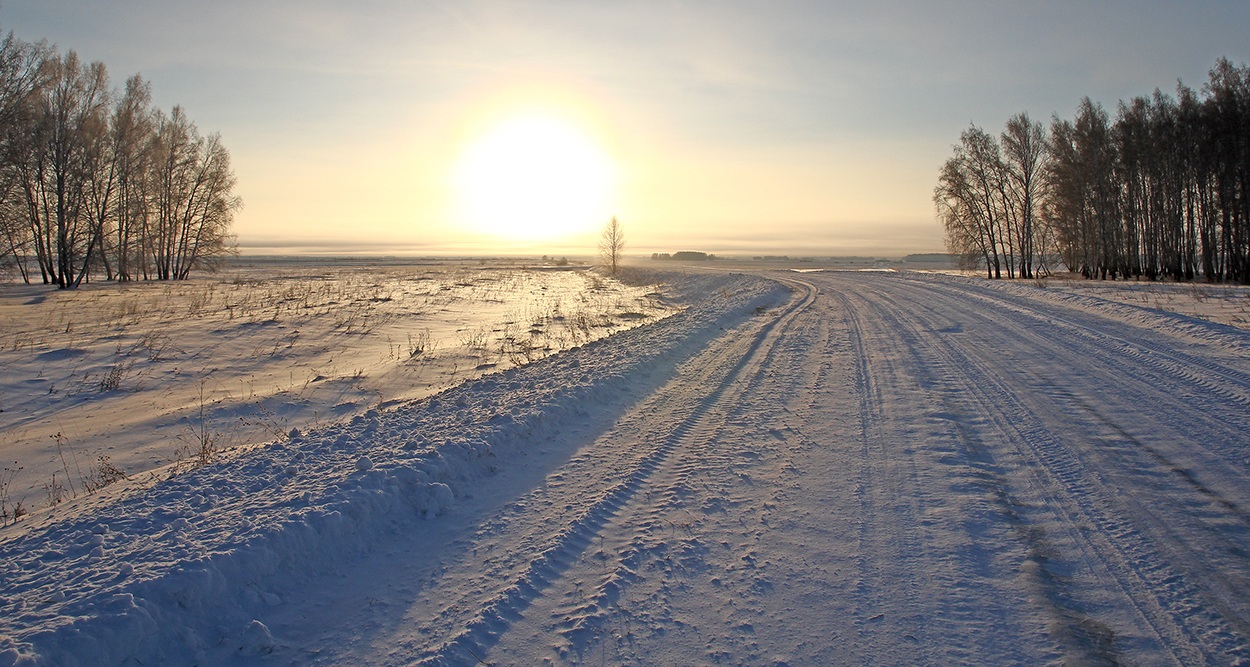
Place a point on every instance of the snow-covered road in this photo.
(876, 469)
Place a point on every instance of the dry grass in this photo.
(248, 354)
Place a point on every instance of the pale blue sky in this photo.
(799, 127)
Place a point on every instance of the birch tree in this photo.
(1024, 161)
(22, 74)
(94, 182)
(612, 245)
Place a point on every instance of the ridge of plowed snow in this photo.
(163, 576)
(1172, 323)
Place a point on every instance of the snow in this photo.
(145, 373)
(789, 469)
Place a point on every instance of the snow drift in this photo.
(166, 575)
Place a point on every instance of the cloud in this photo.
(729, 116)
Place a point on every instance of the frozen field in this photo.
(151, 375)
(791, 469)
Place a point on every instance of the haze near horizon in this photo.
(505, 127)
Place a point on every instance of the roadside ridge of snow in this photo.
(164, 576)
(1163, 321)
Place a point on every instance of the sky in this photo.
(489, 127)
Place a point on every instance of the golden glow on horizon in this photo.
(533, 176)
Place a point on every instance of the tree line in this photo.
(684, 256)
(95, 182)
(1160, 191)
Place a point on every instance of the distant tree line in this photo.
(1160, 191)
(684, 256)
(95, 182)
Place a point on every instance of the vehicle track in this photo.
(1081, 503)
(919, 492)
(663, 448)
(1136, 449)
(707, 528)
(888, 470)
(1191, 373)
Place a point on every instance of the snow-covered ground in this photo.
(1223, 304)
(150, 374)
(795, 469)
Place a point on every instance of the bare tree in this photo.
(969, 202)
(57, 163)
(95, 182)
(131, 136)
(959, 212)
(192, 184)
(1161, 192)
(989, 197)
(1085, 192)
(23, 71)
(611, 245)
(1024, 154)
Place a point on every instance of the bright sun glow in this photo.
(534, 177)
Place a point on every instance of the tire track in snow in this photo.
(195, 571)
(1218, 395)
(947, 608)
(888, 520)
(1010, 513)
(1148, 458)
(1207, 377)
(1079, 636)
(643, 535)
(1221, 570)
(721, 368)
(1212, 466)
(1130, 548)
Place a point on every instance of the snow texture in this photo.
(142, 373)
(174, 575)
(797, 469)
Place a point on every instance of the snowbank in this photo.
(188, 567)
(1098, 297)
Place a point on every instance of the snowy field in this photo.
(155, 377)
(788, 469)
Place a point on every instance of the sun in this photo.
(533, 177)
